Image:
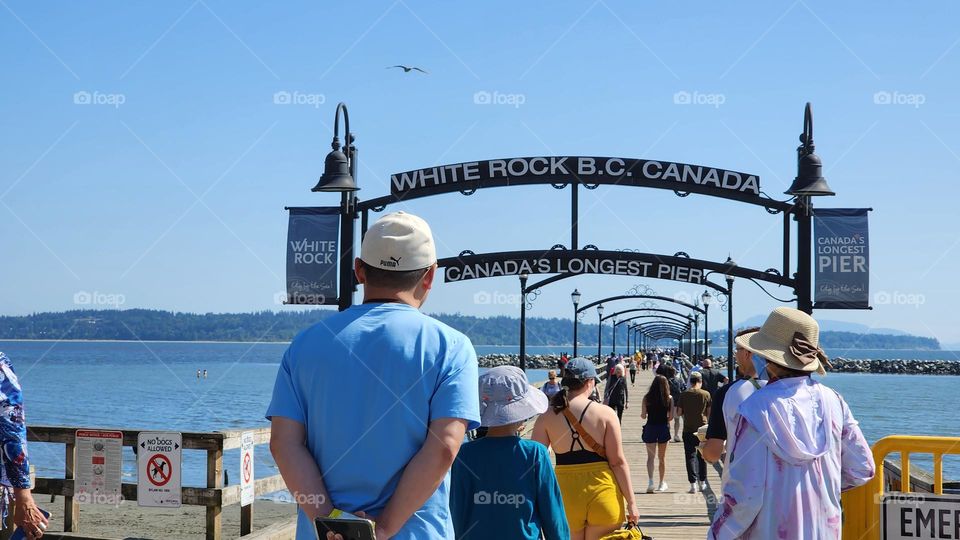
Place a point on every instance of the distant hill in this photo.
(155, 325)
(833, 326)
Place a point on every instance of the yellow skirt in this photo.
(590, 495)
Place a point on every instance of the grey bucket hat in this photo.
(506, 397)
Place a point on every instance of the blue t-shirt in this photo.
(505, 488)
(366, 383)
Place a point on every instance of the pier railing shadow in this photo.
(214, 497)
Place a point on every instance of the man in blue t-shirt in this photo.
(370, 405)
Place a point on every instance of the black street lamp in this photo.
(706, 297)
(615, 335)
(340, 176)
(808, 183)
(523, 321)
(695, 343)
(599, 332)
(575, 296)
(730, 266)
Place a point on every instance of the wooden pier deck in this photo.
(674, 514)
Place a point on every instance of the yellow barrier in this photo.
(861, 506)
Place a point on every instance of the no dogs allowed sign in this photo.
(158, 469)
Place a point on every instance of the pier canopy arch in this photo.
(668, 313)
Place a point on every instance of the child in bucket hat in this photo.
(503, 486)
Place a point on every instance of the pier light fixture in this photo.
(809, 181)
(339, 167)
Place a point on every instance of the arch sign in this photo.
(586, 169)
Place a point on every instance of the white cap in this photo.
(399, 242)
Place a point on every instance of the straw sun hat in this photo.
(788, 338)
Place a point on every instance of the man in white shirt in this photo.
(723, 415)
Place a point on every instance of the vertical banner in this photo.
(312, 255)
(841, 258)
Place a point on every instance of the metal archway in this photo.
(643, 296)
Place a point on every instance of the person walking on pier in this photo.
(633, 370)
(677, 387)
(723, 410)
(375, 376)
(712, 377)
(14, 465)
(552, 386)
(591, 468)
(694, 405)
(796, 447)
(618, 397)
(657, 409)
(502, 486)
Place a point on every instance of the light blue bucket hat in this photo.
(506, 397)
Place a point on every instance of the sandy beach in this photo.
(129, 521)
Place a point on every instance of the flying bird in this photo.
(408, 69)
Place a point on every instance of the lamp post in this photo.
(730, 265)
(339, 176)
(694, 344)
(808, 183)
(706, 298)
(614, 335)
(599, 333)
(629, 343)
(575, 296)
(523, 321)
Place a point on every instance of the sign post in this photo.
(247, 491)
(159, 460)
(99, 457)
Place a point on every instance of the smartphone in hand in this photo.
(20, 534)
(349, 529)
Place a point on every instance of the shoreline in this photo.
(840, 364)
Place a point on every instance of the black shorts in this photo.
(655, 433)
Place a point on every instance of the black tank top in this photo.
(578, 457)
(656, 412)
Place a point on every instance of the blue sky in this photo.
(145, 159)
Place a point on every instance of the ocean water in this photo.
(153, 386)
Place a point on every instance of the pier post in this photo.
(214, 480)
(71, 510)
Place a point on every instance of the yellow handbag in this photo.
(630, 531)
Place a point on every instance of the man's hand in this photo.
(27, 516)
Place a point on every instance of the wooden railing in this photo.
(214, 496)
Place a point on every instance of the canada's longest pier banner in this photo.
(841, 258)
(586, 169)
